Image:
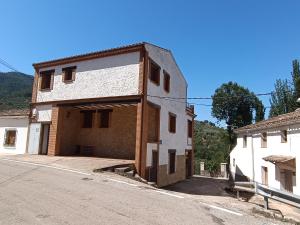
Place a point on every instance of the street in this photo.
(41, 194)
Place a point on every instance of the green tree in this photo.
(282, 99)
(296, 78)
(237, 106)
(211, 145)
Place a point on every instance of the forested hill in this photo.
(15, 90)
(211, 145)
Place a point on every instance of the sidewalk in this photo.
(84, 164)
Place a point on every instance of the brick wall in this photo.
(54, 134)
(117, 141)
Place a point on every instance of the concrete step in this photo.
(130, 173)
(122, 170)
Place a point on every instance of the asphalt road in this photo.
(34, 194)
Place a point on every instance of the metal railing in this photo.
(268, 192)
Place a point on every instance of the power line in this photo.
(6, 64)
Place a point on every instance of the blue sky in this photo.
(214, 41)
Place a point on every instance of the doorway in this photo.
(154, 165)
(188, 163)
(264, 175)
(286, 180)
(44, 139)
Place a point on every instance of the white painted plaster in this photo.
(178, 88)
(243, 156)
(21, 126)
(43, 113)
(102, 77)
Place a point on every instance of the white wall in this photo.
(178, 87)
(44, 113)
(21, 125)
(274, 147)
(109, 76)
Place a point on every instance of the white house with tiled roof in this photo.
(13, 131)
(267, 153)
(116, 103)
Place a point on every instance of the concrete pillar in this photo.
(202, 168)
(223, 170)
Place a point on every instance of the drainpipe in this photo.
(253, 170)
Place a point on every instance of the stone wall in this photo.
(164, 178)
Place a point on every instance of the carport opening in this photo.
(100, 130)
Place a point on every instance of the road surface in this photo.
(36, 194)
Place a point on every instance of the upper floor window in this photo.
(87, 118)
(166, 81)
(154, 73)
(283, 136)
(264, 140)
(46, 79)
(190, 129)
(68, 73)
(10, 138)
(172, 123)
(104, 118)
(245, 141)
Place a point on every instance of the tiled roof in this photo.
(90, 55)
(282, 120)
(14, 112)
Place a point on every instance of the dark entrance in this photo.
(44, 139)
(153, 169)
(188, 163)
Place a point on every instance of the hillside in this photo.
(211, 145)
(15, 90)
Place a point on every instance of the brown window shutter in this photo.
(40, 82)
(63, 73)
(52, 80)
(73, 74)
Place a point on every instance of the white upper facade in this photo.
(116, 75)
(172, 101)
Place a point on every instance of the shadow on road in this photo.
(202, 186)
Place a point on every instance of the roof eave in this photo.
(92, 55)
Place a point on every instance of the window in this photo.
(87, 119)
(154, 73)
(233, 162)
(10, 138)
(264, 140)
(283, 136)
(190, 129)
(166, 81)
(172, 161)
(245, 141)
(69, 73)
(104, 118)
(46, 78)
(172, 123)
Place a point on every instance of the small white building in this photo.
(267, 152)
(13, 131)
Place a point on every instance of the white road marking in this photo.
(122, 182)
(220, 208)
(119, 181)
(166, 193)
(47, 166)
